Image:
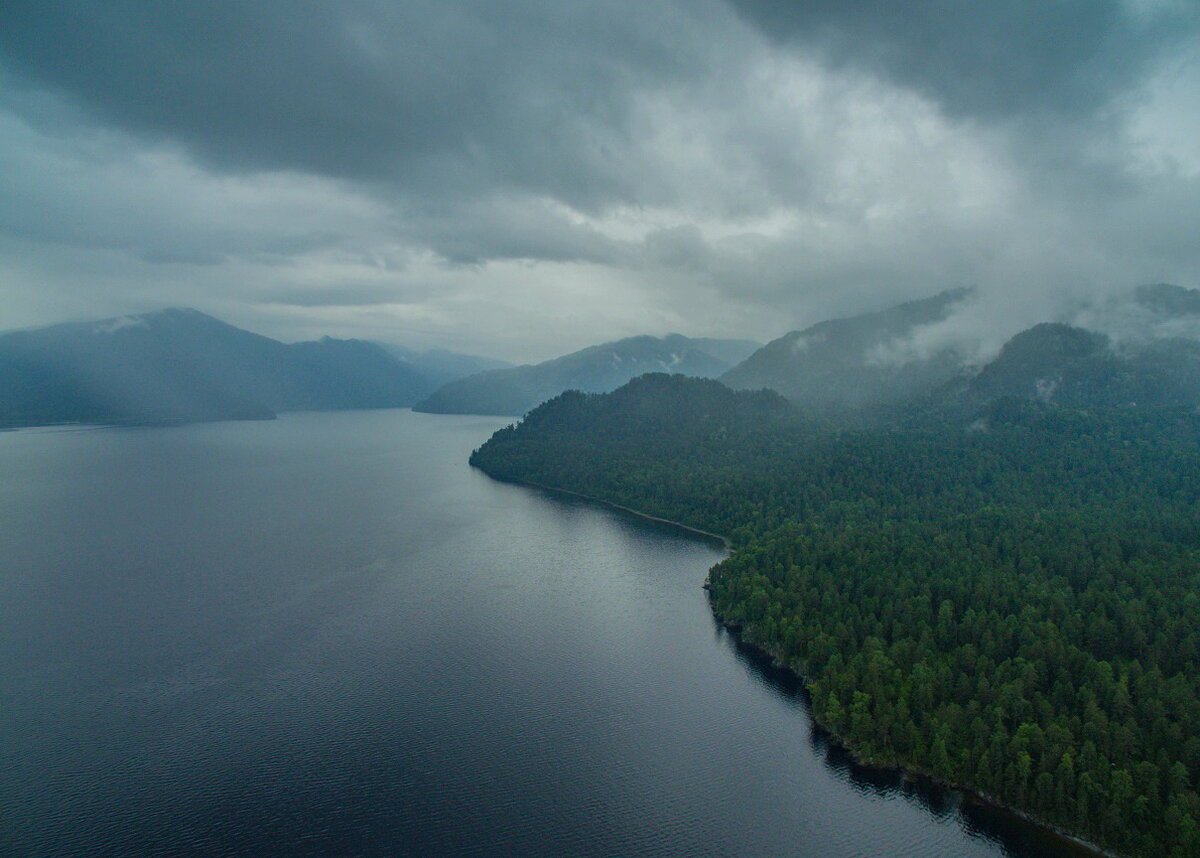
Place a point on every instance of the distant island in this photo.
(993, 579)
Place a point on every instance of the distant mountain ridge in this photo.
(440, 366)
(183, 365)
(1139, 350)
(598, 369)
(842, 368)
(841, 365)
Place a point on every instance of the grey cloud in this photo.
(592, 168)
(679, 246)
(505, 228)
(452, 96)
(995, 59)
(172, 256)
(335, 295)
(104, 192)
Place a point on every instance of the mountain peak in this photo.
(181, 364)
(1077, 368)
(833, 365)
(1168, 300)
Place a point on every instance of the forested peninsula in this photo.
(1006, 600)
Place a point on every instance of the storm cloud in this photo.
(528, 177)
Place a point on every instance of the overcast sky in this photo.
(522, 178)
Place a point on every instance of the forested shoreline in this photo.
(1008, 604)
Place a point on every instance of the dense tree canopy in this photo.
(1010, 604)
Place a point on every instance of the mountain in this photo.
(597, 369)
(731, 352)
(1072, 367)
(1048, 361)
(332, 374)
(843, 364)
(1168, 300)
(184, 365)
(439, 366)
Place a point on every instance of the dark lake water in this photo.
(327, 635)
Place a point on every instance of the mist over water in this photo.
(327, 635)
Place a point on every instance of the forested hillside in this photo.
(1009, 604)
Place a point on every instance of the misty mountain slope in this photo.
(1168, 300)
(597, 369)
(335, 374)
(842, 364)
(1076, 368)
(731, 352)
(132, 368)
(1050, 361)
(185, 365)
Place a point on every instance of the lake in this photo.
(328, 635)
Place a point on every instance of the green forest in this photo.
(1008, 601)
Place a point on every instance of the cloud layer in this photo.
(530, 177)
